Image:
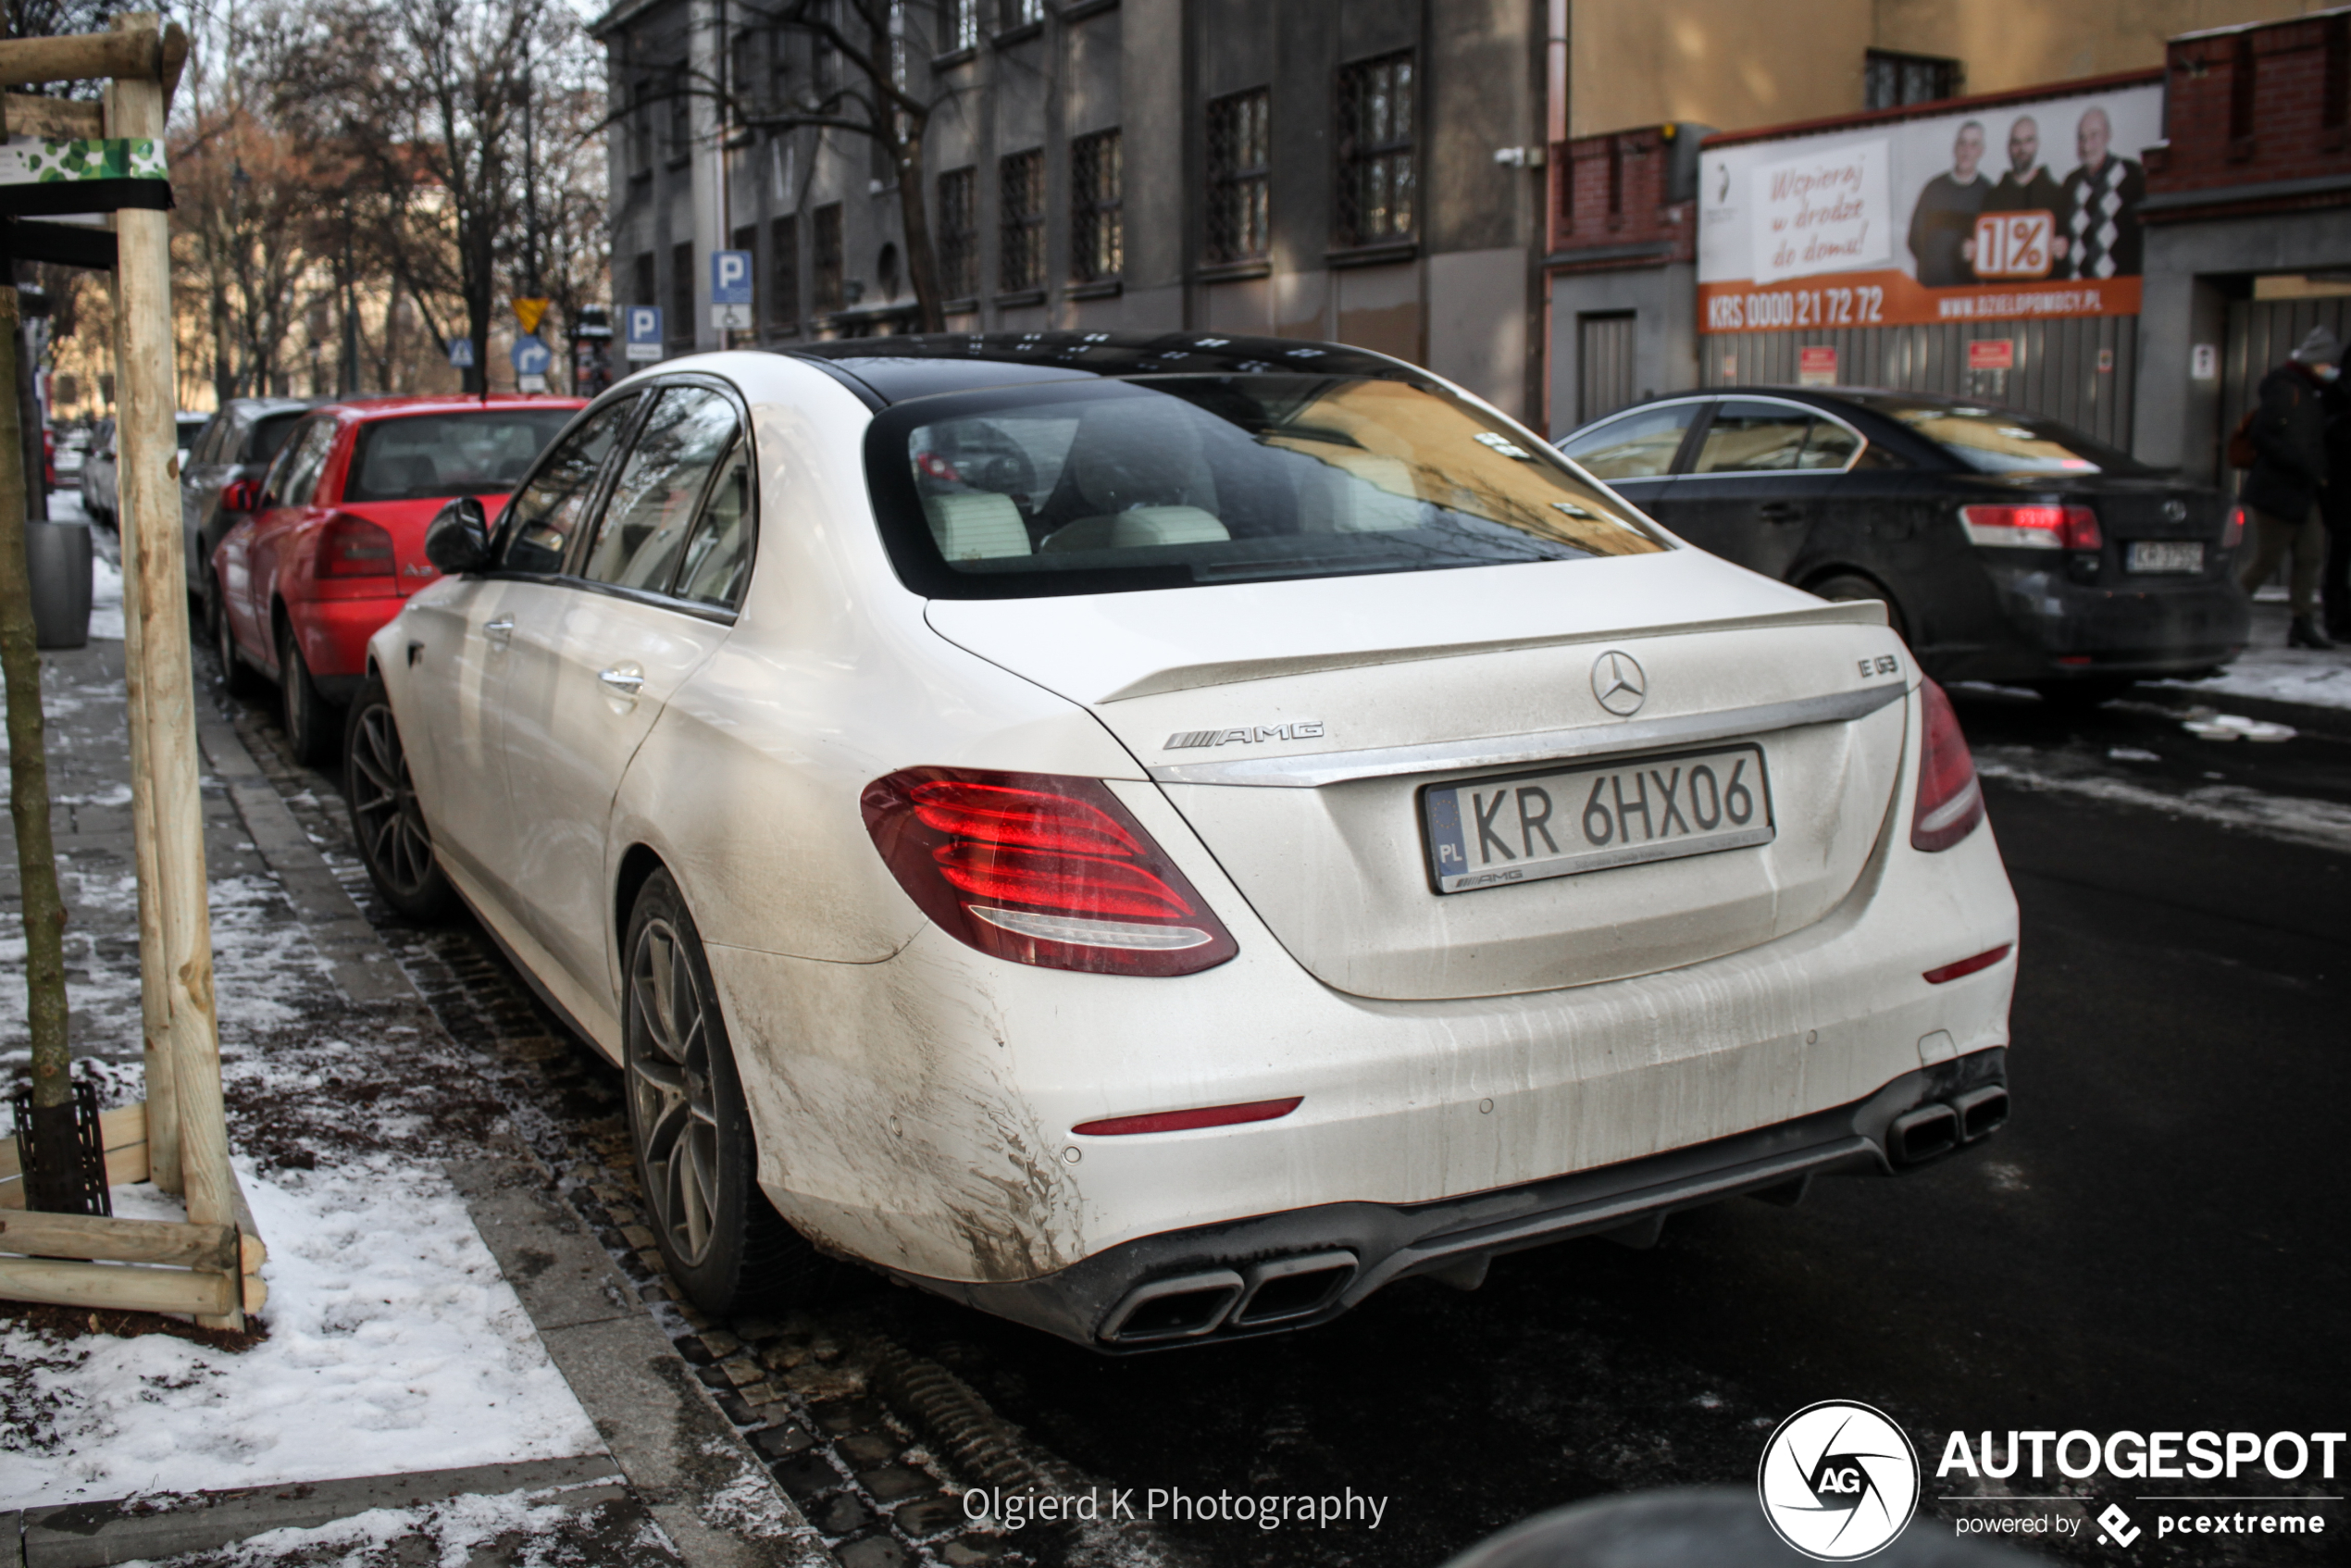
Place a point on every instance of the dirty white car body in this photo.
(1467, 1072)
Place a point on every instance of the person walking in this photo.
(2289, 476)
(2334, 506)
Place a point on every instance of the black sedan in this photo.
(2007, 547)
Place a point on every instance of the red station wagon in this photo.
(336, 540)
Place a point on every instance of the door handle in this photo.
(1779, 511)
(622, 680)
(499, 632)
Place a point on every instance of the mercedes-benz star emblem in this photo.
(1618, 683)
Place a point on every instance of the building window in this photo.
(1020, 13)
(783, 274)
(1020, 195)
(2335, 101)
(647, 291)
(1890, 80)
(640, 126)
(681, 115)
(1240, 149)
(681, 292)
(1097, 187)
(2245, 82)
(959, 28)
(827, 259)
(958, 233)
(1376, 183)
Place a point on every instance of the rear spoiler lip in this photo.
(1186, 677)
(1313, 770)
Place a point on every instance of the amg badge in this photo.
(1246, 735)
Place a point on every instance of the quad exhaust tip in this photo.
(1981, 1110)
(1191, 1306)
(1920, 1135)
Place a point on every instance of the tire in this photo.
(394, 845)
(310, 720)
(1845, 587)
(235, 679)
(724, 1245)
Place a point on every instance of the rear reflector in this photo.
(1950, 798)
(2032, 527)
(1184, 1121)
(1950, 971)
(1040, 869)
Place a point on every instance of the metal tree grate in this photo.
(87, 1189)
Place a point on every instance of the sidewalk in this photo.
(450, 1367)
(2271, 675)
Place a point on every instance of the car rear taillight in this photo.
(1042, 869)
(2032, 527)
(2233, 532)
(1950, 798)
(353, 547)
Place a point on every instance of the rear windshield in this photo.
(269, 433)
(1181, 481)
(424, 456)
(2004, 441)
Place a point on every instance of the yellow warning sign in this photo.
(528, 313)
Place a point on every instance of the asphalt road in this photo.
(2154, 1242)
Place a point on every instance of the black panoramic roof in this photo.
(893, 370)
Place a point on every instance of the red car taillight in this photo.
(1950, 798)
(353, 547)
(2033, 527)
(1040, 869)
(2232, 532)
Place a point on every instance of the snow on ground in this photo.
(394, 1344)
(2322, 824)
(2271, 669)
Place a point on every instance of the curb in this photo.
(666, 1436)
(2310, 719)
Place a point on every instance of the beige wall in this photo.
(1733, 64)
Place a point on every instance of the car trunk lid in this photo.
(1300, 728)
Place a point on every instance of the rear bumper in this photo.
(334, 635)
(1279, 1272)
(2053, 629)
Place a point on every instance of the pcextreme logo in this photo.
(1839, 1481)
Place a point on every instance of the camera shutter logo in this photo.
(1839, 1481)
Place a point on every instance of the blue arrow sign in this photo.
(461, 353)
(731, 277)
(532, 356)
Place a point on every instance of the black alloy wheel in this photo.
(309, 718)
(394, 845)
(235, 679)
(724, 1245)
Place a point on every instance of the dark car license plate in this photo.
(1483, 832)
(2164, 555)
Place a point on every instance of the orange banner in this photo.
(1891, 298)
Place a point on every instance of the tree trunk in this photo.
(922, 260)
(56, 1152)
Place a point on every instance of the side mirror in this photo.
(458, 539)
(241, 496)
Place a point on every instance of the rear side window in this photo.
(295, 477)
(1749, 438)
(268, 435)
(718, 556)
(539, 525)
(654, 500)
(1182, 482)
(1635, 446)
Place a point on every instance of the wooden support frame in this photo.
(209, 1265)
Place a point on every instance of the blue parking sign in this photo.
(731, 277)
(644, 323)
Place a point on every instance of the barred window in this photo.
(1097, 189)
(646, 291)
(827, 259)
(682, 114)
(641, 125)
(1377, 187)
(1020, 13)
(783, 274)
(1239, 151)
(1020, 194)
(681, 292)
(1889, 81)
(958, 233)
(960, 27)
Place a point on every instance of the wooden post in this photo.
(147, 482)
(154, 992)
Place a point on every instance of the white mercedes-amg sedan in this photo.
(1157, 837)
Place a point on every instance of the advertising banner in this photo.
(2022, 209)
